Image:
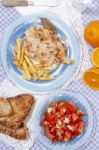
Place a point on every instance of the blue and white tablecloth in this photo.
(8, 16)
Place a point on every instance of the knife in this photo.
(48, 24)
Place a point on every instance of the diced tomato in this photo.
(53, 129)
(71, 127)
(81, 126)
(49, 118)
(75, 117)
(54, 107)
(62, 120)
(53, 104)
(75, 133)
(67, 135)
(52, 124)
(54, 139)
(66, 120)
(49, 110)
(43, 123)
(59, 132)
(69, 116)
(80, 113)
(75, 123)
(60, 138)
(57, 115)
(60, 104)
(62, 110)
(49, 134)
(71, 107)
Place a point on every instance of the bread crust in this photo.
(18, 133)
(11, 122)
(21, 106)
(5, 108)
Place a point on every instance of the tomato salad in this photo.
(62, 121)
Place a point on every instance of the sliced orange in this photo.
(91, 78)
(95, 57)
(91, 33)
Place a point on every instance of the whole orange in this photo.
(91, 33)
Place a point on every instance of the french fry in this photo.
(37, 67)
(29, 63)
(17, 63)
(31, 71)
(15, 50)
(24, 74)
(26, 52)
(35, 75)
(26, 71)
(47, 78)
(41, 73)
(47, 68)
(22, 55)
(45, 75)
(14, 54)
(18, 48)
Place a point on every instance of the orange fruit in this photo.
(95, 57)
(91, 33)
(91, 78)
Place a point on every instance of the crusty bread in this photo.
(13, 111)
(18, 133)
(5, 108)
(21, 106)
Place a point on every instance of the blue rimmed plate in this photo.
(89, 118)
(64, 74)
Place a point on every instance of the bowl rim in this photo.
(25, 19)
(75, 95)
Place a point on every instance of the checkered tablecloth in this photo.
(8, 16)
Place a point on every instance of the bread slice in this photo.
(18, 133)
(21, 106)
(5, 108)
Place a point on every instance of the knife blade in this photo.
(48, 24)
